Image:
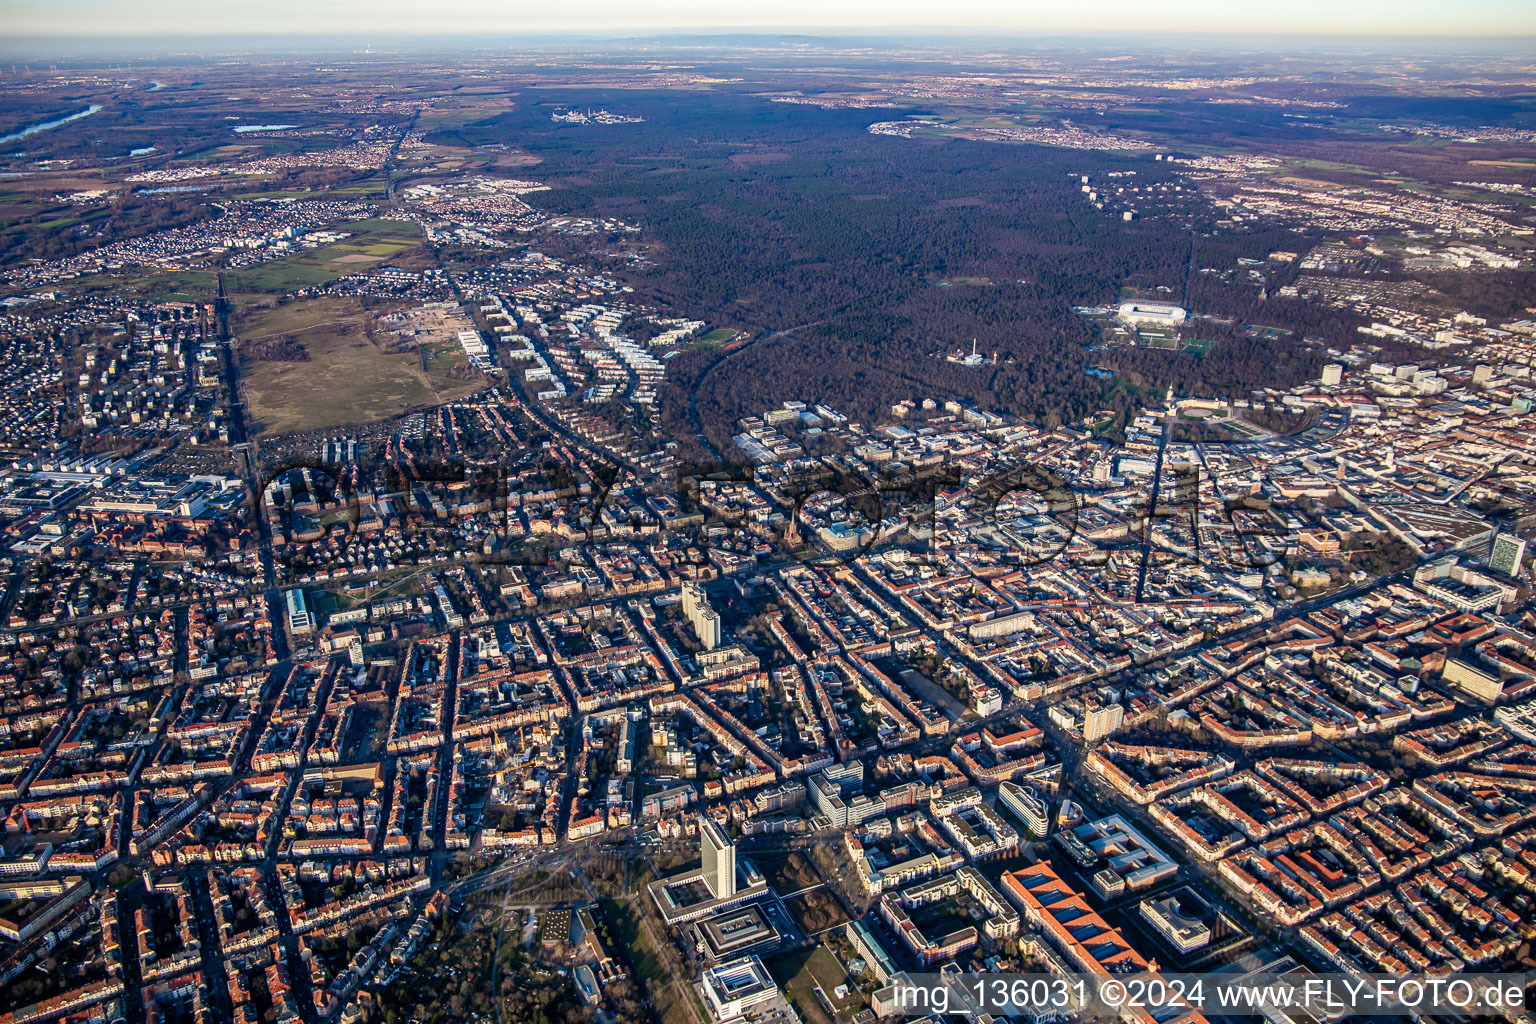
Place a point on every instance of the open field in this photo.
(371, 187)
(372, 241)
(158, 285)
(347, 378)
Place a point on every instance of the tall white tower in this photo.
(719, 856)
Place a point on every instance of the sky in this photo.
(381, 19)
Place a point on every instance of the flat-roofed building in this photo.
(731, 989)
(1101, 722)
(1474, 680)
(1128, 859)
(687, 897)
(1176, 916)
(296, 606)
(826, 791)
(868, 946)
(735, 933)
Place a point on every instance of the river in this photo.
(46, 125)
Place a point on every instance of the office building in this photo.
(1028, 806)
(1176, 916)
(719, 855)
(731, 989)
(296, 605)
(1507, 555)
(987, 700)
(1124, 858)
(1473, 680)
(734, 933)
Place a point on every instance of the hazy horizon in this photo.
(22, 47)
(86, 19)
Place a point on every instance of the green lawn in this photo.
(286, 193)
(284, 275)
(376, 248)
(387, 230)
(800, 973)
(372, 188)
(374, 237)
(443, 357)
(1199, 346)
